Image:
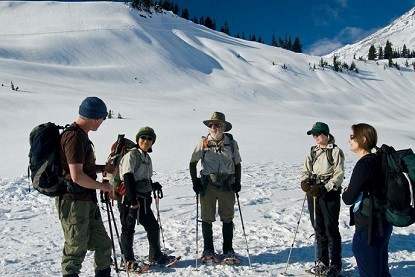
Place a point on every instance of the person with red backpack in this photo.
(136, 171)
(372, 230)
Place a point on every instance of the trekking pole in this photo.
(158, 217)
(197, 228)
(315, 232)
(103, 199)
(243, 228)
(295, 234)
(118, 235)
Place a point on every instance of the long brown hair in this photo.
(365, 136)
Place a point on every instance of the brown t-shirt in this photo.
(76, 148)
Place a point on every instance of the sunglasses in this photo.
(146, 138)
(216, 125)
(316, 134)
(351, 137)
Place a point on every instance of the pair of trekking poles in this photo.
(199, 221)
(296, 231)
(110, 213)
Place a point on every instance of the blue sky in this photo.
(322, 25)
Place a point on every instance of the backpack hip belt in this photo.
(143, 185)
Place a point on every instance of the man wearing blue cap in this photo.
(78, 209)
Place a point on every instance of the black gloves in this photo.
(156, 187)
(317, 190)
(305, 185)
(236, 187)
(197, 185)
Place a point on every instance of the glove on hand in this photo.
(156, 187)
(236, 187)
(197, 186)
(305, 185)
(316, 190)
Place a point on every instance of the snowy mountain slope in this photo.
(401, 31)
(168, 73)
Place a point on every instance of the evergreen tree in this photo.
(209, 23)
(372, 53)
(195, 20)
(225, 28)
(260, 40)
(273, 40)
(185, 13)
(281, 43)
(135, 4)
(167, 5)
(288, 43)
(175, 9)
(380, 54)
(388, 53)
(297, 48)
(202, 21)
(147, 4)
(335, 64)
(405, 52)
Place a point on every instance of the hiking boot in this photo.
(103, 272)
(332, 271)
(229, 254)
(209, 256)
(133, 266)
(164, 259)
(319, 269)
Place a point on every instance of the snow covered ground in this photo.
(171, 74)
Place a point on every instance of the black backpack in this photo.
(44, 165)
(398, 168)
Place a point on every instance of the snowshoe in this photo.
(319, 269)
(165, 261)
(230, 258)
(209, 257)
(134, 267)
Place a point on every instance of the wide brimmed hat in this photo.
(319, 127)
(218, 116)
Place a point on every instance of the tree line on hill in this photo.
(286, 43)
(389, 53)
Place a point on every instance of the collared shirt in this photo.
(217, 157)
(139, 163)
(322, 167)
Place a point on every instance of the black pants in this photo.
(147, 220)
(329, 245)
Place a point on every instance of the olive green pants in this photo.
(83, 230)
(225, 200)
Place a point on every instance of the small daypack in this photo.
(118, 149)
(44, 165)
(398, 168)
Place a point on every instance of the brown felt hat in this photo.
(218, 116)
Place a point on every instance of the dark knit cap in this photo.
(146, 131)
(93, 108)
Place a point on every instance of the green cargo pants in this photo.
(83, 230)
(226, 204)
